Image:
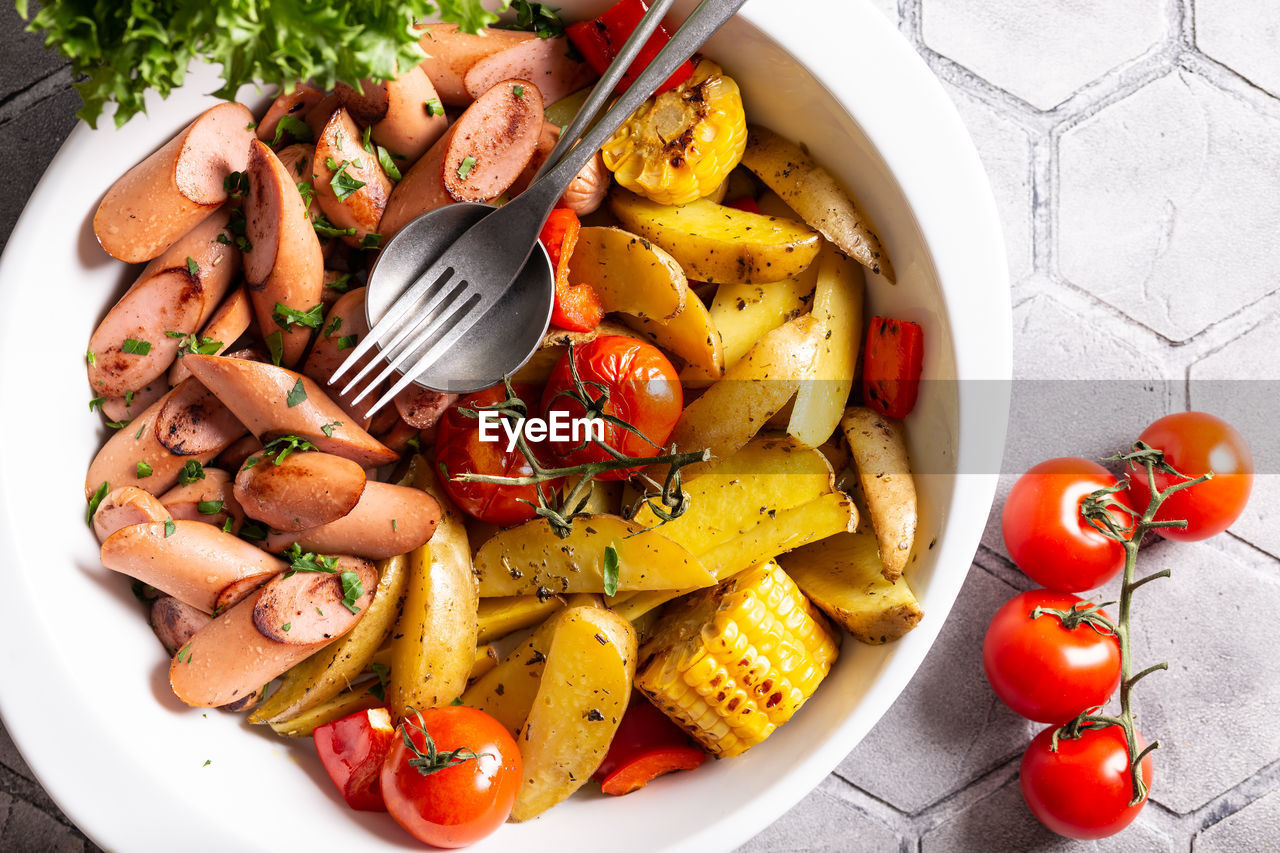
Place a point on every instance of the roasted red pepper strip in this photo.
(646, 745)
(891, 367)
(746, 203)
(351, 750)
(577, 306)
(599, 41)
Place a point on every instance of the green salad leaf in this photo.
(119, 49)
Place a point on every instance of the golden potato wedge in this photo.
(530, 558)
(433, 645)
(744, 313)
(842, 575)
(735, 408)
(583, 693)
(486, 660)
(787, 529)
(629, 273)
(331, 670)
(837, 303)
(499, 617)
(814, 194)
(738, 492)
(506, 692)
(879, 449)
(720, 244)
(691, 335)
(347, 702)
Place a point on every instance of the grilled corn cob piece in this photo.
(681, 145)
(733, 662)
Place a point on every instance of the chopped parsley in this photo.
(610, 570)
(286, 316)
(228, 524)
(169, 528)
(346, 342)
(328, 428)
(334, 324)
(324, 228)
(379, 690)
(209, 507)
(275, 347)
(344, 184)
(236, 184)
(191, 472)
(341, 284)
(294, 126)
(144, 470)
(535, 18)
(517, 90)
(468, 163)
(370, 241)
(281, 447)
(133, 346)
(95, 500)
(433, 107)
(385, 160)
(352, 589)
(90, 358)
(95, 405)
(309, 562)
(298, 395)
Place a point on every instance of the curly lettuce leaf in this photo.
(121, 48)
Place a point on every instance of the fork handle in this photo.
(693, 33)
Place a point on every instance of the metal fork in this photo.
(469, 267)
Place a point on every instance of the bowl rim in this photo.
(929, 155)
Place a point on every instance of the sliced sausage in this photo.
(478, 159)
(274, 401)
(210, 499)
(585, 192)
(296, 103)
(421, 407)
(125, 506)
(192, 561)
(127, 407)
(547, 63)
(187, 424)
(228, 323)
(170, 192)
(451, 54)
(176, 293)
(299, 491)
(399, 435)
(400, 113)
(388, 520)
(285, 266)
(297, 163)
(356, 198)
(237, 452)
(318, 116)
(175, 622)
(343, 327)
(282, 624)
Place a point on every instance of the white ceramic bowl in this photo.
(83, 685)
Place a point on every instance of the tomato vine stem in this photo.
(1100, 510)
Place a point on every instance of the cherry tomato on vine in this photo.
(1195, 443)
(1045, 533)
(460, 450)
(1044, 670)
(460, 798)
(1083, 790)
(643, 389)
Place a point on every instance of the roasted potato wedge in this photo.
(691, 335)
(506, 692)
(582, 695)
(745, 313)
(720, 244)
(879, 449)
(837, 303)
(842, 575)
(530, 558)
(433, 645)
(814, 194)
(735, 408)
(499, 617)
(486, 660)
(347, 702)
(629, 274)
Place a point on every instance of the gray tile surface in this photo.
(1132, 148)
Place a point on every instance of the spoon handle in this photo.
(697, 28)
(608, 82)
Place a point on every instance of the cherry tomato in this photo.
(460, 450)
(352, 750)
(1043, 670)
(1045, 533)
(455, 805)
(1195, 443)
(1083, 790)
(643, 389)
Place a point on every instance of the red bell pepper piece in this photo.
(891, 367)
(746, 203)
(646, 745)
(351, 750)
(577, 306)
(599, 41)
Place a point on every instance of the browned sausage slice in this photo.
(125, 506)
(127, 407)
(210, 499)
(192, 561)
(421, 407)
(231, 657)
(274, 401)
(388, 520)
(176, 293)
(167, 194)
(285, 266)
(344, 326)
(403, 118)
(224, 328)
(187, 424)
(451, 54)
(175, 622)
(348, 182)
(299, 491)
(296, 103)
(546, 63)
